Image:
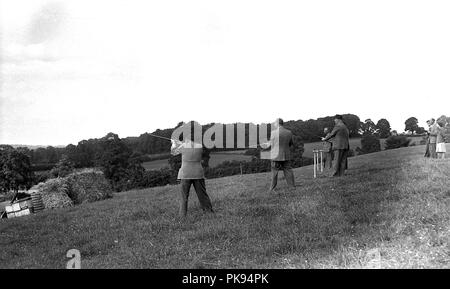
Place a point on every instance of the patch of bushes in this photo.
(370, 143)
(167, 176)
(230, 168)
(42, 167)
(394, 142)
(160, 177)
(351, 153)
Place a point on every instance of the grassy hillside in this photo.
(354, 143)
(392, 210)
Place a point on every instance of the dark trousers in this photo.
(340, 162)
(432, 148)
(200, 189)
(427, 149)
(287, 170)
(328, 160)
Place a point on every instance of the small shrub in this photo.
(394, 142)
(63, 168)
(160, 177)
(351, 153)
(370, 143)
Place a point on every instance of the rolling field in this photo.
(391, 210)
(354, 143)
(216, 159)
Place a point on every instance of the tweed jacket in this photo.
(191, 160)
(433, 132)
(281, 141)
(339, 136)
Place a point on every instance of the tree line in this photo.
(121, 159)
(146, 147)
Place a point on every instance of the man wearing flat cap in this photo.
(340, 139)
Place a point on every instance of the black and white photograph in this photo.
(239, 135)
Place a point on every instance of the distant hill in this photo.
(33, 147)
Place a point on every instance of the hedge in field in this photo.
(88, 186)
(394, 142)
(370, 143)
(54, 193)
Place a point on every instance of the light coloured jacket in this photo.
(433, 132)
(281, 141)
(191, 160)
(339, 136)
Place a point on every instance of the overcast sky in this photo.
(73, 70)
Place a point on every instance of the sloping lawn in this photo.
(391, 210)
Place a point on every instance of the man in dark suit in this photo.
(341, 146)
(280, 144)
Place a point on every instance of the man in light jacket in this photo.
(433, 131)
(281, 141)
(191, 172)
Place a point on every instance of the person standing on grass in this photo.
(327, 147)
(281, 142)
(340, 145)
(440, 140)
(433, 131)
(427, 147)
(191, 171)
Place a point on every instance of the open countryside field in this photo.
(216, 159)
(391, 210)
(220, 157)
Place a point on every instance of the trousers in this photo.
(200, 189)
(285, 166)
(340, 162)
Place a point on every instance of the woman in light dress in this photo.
(440, 140)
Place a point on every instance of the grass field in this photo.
(354, 143)
(391, 210)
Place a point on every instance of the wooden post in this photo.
(315, 163)
(321, 161)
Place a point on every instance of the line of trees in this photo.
(120, 159)
(146, 147)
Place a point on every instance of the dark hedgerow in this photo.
(395, 142)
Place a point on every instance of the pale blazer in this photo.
(433, 132)
(281, 141)
(191, 160)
